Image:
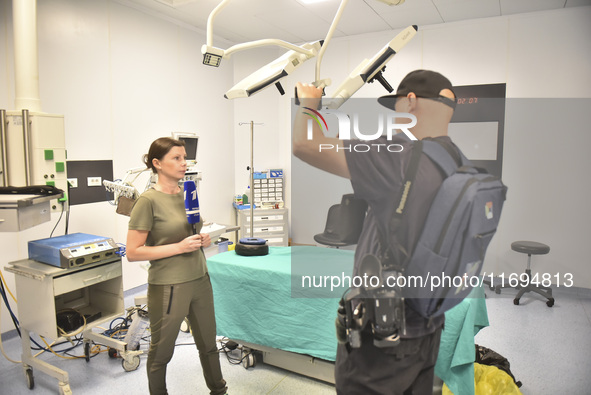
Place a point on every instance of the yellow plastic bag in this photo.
(490, 380)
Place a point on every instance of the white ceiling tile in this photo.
(383, 8)
(301, 23)
(457, 10)
(358, 18)
(509, 7)
(412, 12)
(246, 20)
(290, 20)
(428, 16)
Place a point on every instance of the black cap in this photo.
(423, 83)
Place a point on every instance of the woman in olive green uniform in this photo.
(178, 282)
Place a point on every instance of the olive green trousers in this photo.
(168, 305)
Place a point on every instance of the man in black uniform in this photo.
(377, 176)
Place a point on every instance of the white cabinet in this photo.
(44, 290)
(268, 224)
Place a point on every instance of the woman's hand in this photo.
(193, 243)
(138, 251)
(205, 240)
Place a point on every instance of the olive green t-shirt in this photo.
(163, 216)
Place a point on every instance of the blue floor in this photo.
(548, 349)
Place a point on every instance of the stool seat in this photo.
(530, 247)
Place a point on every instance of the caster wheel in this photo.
(131, 366)
(113, 353)
(498, 290)
(185, 326)
(550, 302)
(87, 351)
(248, 361)
(65, 389)
(30, 379)
(516, 302)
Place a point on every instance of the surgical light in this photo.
(371, 69)
(272, 72)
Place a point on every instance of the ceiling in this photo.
(296, 22)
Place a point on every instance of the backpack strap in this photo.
(409, 178)
(399, 206)
(441, 156)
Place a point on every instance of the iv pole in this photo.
(251, 168)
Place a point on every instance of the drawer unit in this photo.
(270, 225)
(85, 278)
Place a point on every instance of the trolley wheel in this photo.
(248, 361)
(65, 389)
(550, 302)
(516, 302)
(87, 351)
(29, 378)
(113, 353)
(131, 366)
(498, 290)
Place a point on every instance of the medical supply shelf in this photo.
(94, 290)
(268, 190)
(269, 224)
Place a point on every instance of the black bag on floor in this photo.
(486, 356)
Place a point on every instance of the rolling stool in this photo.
(531, 248)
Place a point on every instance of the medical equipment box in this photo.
(73, 250)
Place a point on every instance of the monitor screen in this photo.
(191, 144)
(477, 140)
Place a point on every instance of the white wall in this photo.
(122, 78)
(261, 108)
(538, 55)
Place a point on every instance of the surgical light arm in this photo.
(371, 69)
(212, 56)
(272, 72)
(284, 65)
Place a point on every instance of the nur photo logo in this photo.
(348, 126)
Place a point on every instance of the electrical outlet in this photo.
(73, 182)
(94, 181)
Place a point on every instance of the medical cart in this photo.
(90, 284)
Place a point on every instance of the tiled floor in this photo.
(548, 349)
